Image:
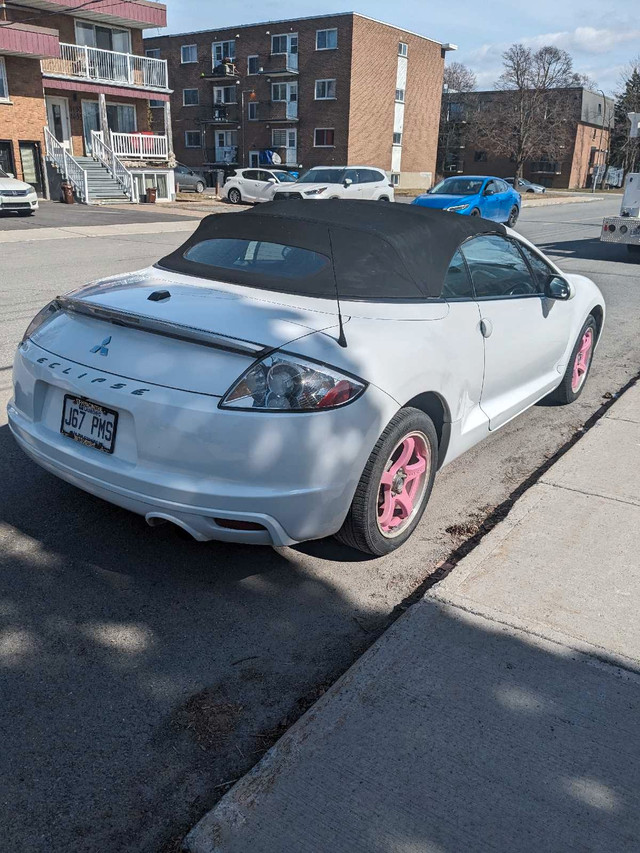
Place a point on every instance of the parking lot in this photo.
(142, 671)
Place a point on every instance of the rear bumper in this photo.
(179, 457)
(626, 230)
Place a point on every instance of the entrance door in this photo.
(58, 120)
(30, 157)
(90, 121)
(6, 157)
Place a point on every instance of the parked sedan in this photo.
(488, 197)
(254, 185)
(522, 185)
(229, 391)
(187, 179)
(17, 196)
(354, 182)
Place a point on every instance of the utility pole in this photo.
(600, 150)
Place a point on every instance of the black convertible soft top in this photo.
(378, 250)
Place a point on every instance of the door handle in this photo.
(486, 327)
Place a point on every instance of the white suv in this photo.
(254, 185)
(352, 182)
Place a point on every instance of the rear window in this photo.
(257, 257)
(323, 176)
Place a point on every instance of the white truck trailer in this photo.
(625, 228)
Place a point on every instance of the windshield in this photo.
(323, 176)
(285, 177)
(458, 186)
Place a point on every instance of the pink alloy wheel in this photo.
(583, 358)
(403, 484)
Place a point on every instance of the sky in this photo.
(602, 36)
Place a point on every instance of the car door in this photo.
(355, 189)
(490, 202)
(506, 199)
(525, 332)
(368, 181)
(265, 184)
(250, 184)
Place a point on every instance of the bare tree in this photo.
(625, 151)
(526, 119)
(458, 82)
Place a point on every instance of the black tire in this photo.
(383, 198)
(360, 529)
(475, 212)
(200, 187)
(234, 196)
(513, 216)
(564, 393)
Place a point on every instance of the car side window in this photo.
(264, 176)
(457, 284)
(251, 175)
(353, 175)
(502, 186)
(542, 272)
(491, 188)
(497, 268)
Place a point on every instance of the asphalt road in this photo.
(139, 670)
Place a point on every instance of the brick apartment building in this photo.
(336, 89)
(589, 117)
(68, 70)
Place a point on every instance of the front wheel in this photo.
(513, 216)
(395, 485)
(475, 212)
(234, 196)
(199, 187)
(575, 375)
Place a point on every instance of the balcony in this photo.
(107, 66)
(25, 40)
(127, 13)
(546, 167)
(278, 111)
(224, 71)
(140, 146)
(225, 114)
(222, 154)
(280, 64)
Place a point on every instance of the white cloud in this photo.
(586, 39)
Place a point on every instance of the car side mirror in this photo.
(489, 191)
(10, 175)
(347, 182)
(271, 181)
(557, 288)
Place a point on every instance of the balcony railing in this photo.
(140, 146)
(225, 113)
(223, 154)
(277, 64)
(279, 111)
(107, 66)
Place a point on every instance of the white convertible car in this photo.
(300, 370)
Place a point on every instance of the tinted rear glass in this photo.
(458, 186)
(258, 258)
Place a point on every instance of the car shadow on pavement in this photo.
(592, 249)
(141, 670)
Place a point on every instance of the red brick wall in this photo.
(373, 85)
(23, 118)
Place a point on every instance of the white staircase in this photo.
(100, 179)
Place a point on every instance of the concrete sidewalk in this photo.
(501, 712)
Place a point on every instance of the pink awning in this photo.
(24, 40)
(133, 13)
(100, 88)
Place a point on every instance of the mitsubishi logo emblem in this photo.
(102, 348)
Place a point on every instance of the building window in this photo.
(323, 137)
(395, 178)
(325, 90)
(252, 111)
(283, 138)
(397, 139)
(152, 52)
(253, 64)
(224, 95)
(400, 96)
(403, 49)
(326, 39)
(159, 180)
(103, 37)
(479, 156)
(153, 103)
(221, 50)
(188, 53)
(192, 139)
(279, 92)
(279, 44)
(190, 97)
(4, 86)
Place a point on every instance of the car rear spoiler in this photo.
(163, 327)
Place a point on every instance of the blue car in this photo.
(491, 198)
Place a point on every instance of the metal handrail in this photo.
(109, 66)
(69, 167)
(101, 151)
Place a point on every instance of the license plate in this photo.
(89, 423)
